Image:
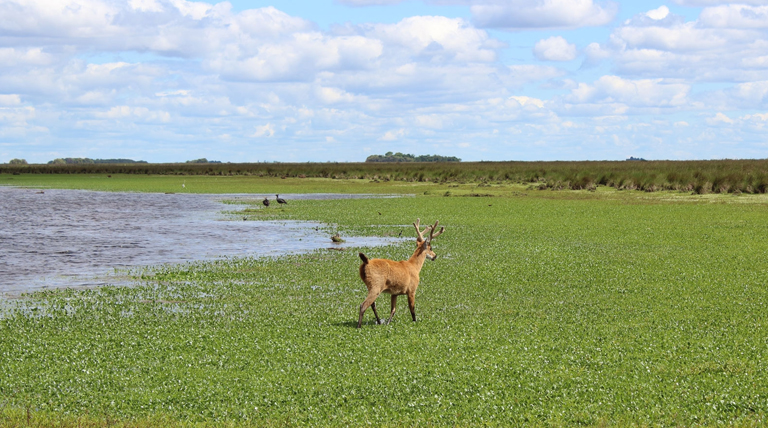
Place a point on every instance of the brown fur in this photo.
(396, 277)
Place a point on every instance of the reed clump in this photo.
(701, 177)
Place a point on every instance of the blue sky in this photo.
(338, 80)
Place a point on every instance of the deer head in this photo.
(426, 244)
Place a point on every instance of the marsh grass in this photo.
(717, 176)
(551, 309)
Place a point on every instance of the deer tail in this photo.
(363, 258)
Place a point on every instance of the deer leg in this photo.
(412, 305)
(368, 302)
(392, 314)
(373, 306)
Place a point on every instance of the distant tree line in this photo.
(202, 160)
(84, 161)
(405, 157)
(715, 176)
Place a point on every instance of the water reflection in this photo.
(71, 238)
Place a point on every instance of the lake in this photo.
(75, 238)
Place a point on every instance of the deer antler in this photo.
(432, 229)
(421, 233)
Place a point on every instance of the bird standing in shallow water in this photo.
(265, 202)
(280, 200)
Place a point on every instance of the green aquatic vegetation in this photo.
(538, 311)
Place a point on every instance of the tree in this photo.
(18, 162)
(405, 157)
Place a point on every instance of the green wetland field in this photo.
(543, 308)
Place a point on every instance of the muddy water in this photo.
(71, 238)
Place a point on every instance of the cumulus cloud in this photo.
(12, 57)
(658, 14)
(266, 130)
(436, 38)
(720, 118)
(726, 43)
(699, 3)
(555, 48)
(393, 135)
(430, 121)
(134, 113)
(614, 95)
(368, 2)
(523, 14)
(735, 16)
(9, 100)
(16, 116)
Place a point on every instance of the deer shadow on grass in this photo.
(347, 324)
(353, 324)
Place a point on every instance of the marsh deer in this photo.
(396, 278)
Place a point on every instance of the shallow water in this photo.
(72, 238)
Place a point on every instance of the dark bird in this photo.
(379, 212)
(265, 202)
(280, 200)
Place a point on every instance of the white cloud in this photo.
(265, 23)
(9, 100)
(528, 101)
(16, 116)
(726, 43)
(433, 121)
(738, 16)
(134, 113)
(749, 94)
(393, 135)
(555, 48)
(12, 57)
(266, 130)
(720, 118)
(437, 38)
(658, 14)
(297, 59)
(146, 5)
(368, 2)
(75, 18)
(521, 14)
(643, 93)
(333, 95)
(699, 3)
